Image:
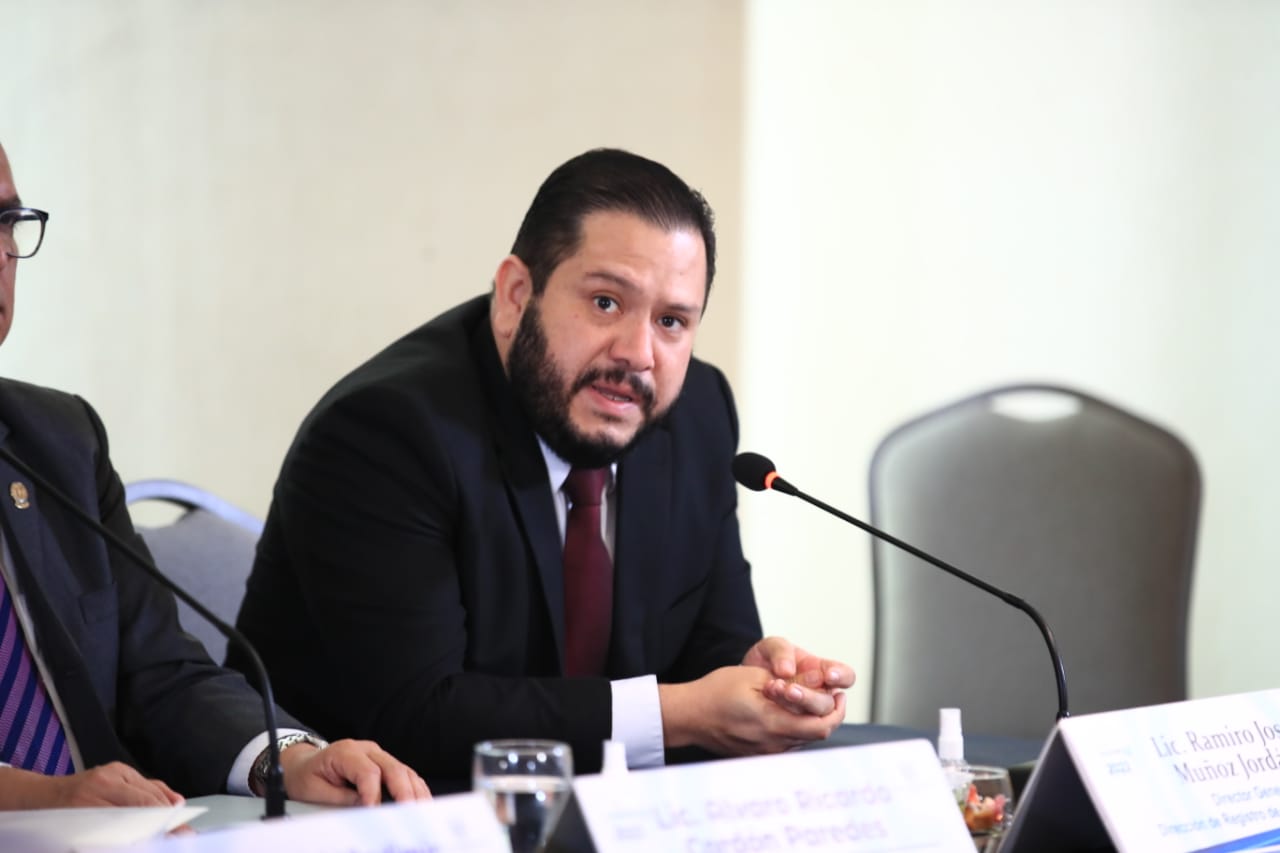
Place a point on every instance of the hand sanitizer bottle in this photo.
(951, 751)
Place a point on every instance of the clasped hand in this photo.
(801, 682)
(779, 698)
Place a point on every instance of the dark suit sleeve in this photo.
(727, 622)
(184, 718)
(364, 536)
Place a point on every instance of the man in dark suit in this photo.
(100, 690)
(428, 547)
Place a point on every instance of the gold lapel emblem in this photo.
(18, 491)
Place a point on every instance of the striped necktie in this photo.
(31, 735)
(588, 575)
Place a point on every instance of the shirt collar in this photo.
(558, 469)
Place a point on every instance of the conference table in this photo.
(1016, 754)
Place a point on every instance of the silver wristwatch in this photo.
(258, 773)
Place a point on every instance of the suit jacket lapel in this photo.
(525, 475)
(42, 577)
(22, 525)
(641, 543)
(27, 533)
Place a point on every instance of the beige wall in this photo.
(916, 199)
(249, 198)
(945, 196)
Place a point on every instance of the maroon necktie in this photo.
(31, 735)
(588, 575)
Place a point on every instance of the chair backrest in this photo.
(1086, 511)
(208, 551)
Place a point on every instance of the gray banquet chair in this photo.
(208, 551)
(1084, 510)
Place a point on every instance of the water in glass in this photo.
(528, 784)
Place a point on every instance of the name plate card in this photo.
(1202, 775)
(452, 824)
(882, 797)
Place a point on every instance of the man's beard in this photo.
(546, 395)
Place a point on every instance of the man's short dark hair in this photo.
(607, 179)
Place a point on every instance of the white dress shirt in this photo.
(637, 713)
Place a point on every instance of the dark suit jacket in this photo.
(135, 688)
(408, 585)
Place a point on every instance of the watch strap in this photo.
(258, 773)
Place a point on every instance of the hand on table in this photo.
(348, 773)
(114, 784)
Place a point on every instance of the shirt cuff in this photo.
(637, 720)
(238, 779)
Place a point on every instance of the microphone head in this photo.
(752, 470)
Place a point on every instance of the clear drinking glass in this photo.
(528, 783)
(987, 805)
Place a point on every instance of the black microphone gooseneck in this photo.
(274, 793)
(757, 473)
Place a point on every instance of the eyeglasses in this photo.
(22, 231)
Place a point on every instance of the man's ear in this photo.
(512, 290)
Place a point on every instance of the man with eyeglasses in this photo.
(23, 230)
(21, 233)
(103, 699)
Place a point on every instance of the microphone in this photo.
(759, 474)
(274, 794)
